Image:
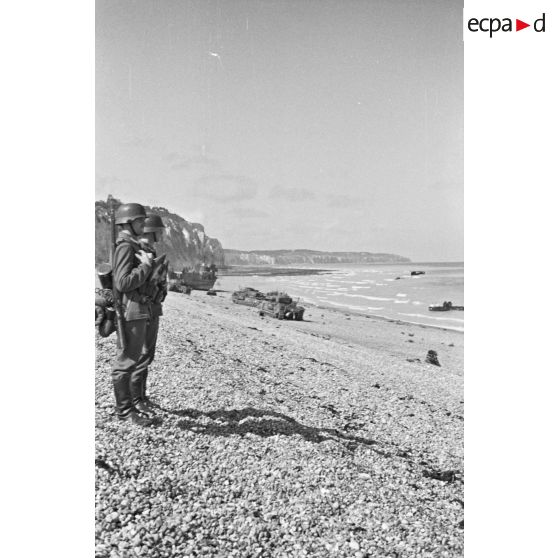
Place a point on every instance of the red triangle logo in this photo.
(519, 25)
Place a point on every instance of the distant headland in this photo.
(289, 257)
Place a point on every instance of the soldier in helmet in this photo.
(131, 271)
(157, 291)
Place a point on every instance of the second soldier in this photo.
(157, 292)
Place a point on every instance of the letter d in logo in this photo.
(538, 26)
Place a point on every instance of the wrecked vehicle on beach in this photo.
(275, 304)
(281, 306)
(248, 297)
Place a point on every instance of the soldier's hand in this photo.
(145, 257)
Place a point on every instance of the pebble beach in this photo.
(327, 437)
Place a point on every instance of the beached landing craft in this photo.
(200, 280)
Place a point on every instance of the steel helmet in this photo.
(127, 212)
(153, 223)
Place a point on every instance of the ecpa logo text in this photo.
(493, 25)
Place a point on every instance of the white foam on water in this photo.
(429, 317)
(367, 297)
(400, 294)
(352, 307)
(401, 301)
(442, 326)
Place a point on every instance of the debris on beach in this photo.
(248, 296)
(444, 476)
(432, 358)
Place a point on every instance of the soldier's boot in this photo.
(135, 418)
(144, 409)
(137, 387)
(122, 395)
(140, 405)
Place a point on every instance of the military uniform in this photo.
(131, 280)
(156, 292)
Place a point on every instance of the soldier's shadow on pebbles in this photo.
(259, 422)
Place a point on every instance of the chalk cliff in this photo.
(184, 243)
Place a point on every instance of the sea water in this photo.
(386, 290)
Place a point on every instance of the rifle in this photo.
(120, 336)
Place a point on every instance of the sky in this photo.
(317, 124)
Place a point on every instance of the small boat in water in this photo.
(444, 307)
(418, 272)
